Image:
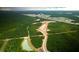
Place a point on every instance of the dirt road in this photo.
(43, 29)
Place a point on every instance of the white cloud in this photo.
(5, 9)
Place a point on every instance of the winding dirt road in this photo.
(43, 29)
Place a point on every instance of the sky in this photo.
(39, 5)
(36, 8)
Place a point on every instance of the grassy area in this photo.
(37, 41)
(63, 42)
(14, 45)
(14, 25)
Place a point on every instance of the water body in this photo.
(25, 45)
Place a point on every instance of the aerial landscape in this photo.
(38, 30)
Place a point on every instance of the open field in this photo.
(62, 36)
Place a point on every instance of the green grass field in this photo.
(15, 25)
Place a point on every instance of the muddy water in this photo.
(25, 45)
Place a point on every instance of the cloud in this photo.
(5, 9)
(34, 8)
